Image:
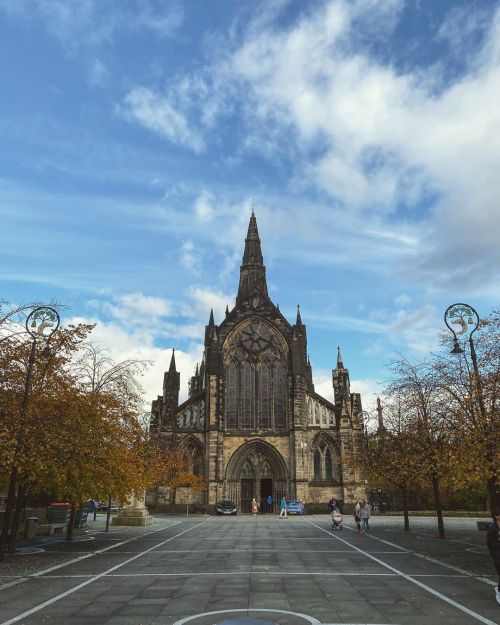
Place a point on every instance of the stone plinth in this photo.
(134, 513)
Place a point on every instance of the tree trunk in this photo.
(16, 519)
(493, 495)
(405, 509)
(437, 504)
(108, 513)
(173, 500)
(71, 526)
(9, 506)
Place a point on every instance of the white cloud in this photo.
(157, 114)
(204, 207)
(127, 343)
(390, 141)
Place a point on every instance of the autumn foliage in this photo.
(81, 435)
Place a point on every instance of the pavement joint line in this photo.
(90, 555)
(480, 578)
(411, 579)
(70, 591)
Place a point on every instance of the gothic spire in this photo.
(340, 364)
(211, 321)
(172, 368)
(299, 318)
(252, 270)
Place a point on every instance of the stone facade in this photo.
(253, 423)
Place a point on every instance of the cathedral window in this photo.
(323, 415)
(328, 466)
(256, 381)
(317, 465)
(280, 383)
(248, 397)
(316, 414)
(232, 375)
(193, 457)
(265, 393)
(323, 463)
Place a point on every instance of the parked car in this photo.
(226, 507)
(295, 507)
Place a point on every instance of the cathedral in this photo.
(253, 424)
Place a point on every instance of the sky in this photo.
(135, 136)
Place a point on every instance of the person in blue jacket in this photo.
(493, 542)
(269, 502)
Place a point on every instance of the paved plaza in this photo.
(210, 570)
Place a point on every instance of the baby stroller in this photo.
(336, 520)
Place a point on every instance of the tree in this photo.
(388, 463)
(424, 413)
(473, 397)
(81, 435)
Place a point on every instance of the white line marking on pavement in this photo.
(96, 577)
(13, 583)
(424, 557)
(84, 557)
(309, 619)
(411, 579)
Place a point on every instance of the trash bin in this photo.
(30, 527)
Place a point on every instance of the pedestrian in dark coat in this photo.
(332, 504)
(493, 542)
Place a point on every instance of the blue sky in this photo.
(136, 133)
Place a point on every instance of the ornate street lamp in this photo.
(460, 318)
(41, 324)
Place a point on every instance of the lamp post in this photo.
(41, 324)
(459, 318)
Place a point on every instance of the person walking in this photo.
(493, 542)
(283, 511)
(357, 516)
(269, 502)
(254, 507)
(364, 513)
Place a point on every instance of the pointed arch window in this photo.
(323, 462)
(280, 394)
(232, 375)
(248, 397)
(256, 383)
(265, 395)
(317, 465)
(328, 465)
(194, 459)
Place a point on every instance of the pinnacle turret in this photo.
(340, 364)
(172, 368)
(299, 318)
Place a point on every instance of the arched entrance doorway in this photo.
(257, 470)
